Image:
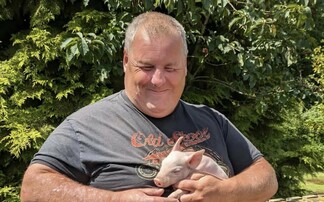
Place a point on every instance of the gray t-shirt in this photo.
(112, 145)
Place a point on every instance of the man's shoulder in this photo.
(110, 103)
(106, 101)
(199, 108)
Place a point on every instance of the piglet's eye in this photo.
(176, 170)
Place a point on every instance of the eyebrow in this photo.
(141, 62)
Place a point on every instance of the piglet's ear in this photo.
(176, 146)
(195, 158)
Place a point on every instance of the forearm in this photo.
(41, 183)
(256, 183)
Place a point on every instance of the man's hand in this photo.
(42, 183)
(202, 188)
(256, 183)
(139, 195)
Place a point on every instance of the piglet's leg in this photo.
(177, 194)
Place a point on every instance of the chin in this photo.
(159, 114)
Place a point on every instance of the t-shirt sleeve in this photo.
(241, 151)
(61, 151)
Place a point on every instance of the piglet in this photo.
(179, 165)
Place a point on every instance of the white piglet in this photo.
(179, 165)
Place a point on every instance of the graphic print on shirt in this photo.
(160, 149)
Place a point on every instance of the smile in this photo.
(159, 91)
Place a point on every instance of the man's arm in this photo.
(257, 183)
(42, 183)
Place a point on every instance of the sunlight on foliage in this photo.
(258, 62)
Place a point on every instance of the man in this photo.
(111, 150)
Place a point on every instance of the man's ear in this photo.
(125, 60)
(186, 65)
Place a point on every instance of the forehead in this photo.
(167, 46)
(150, 36)
(175, 157)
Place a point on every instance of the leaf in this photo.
(233, 21)
(223, 3)
(208, 5)
(240, 59)
(148, 4)
(66, 42)
(157, 3)
(169, 4)
(85, 3)
(80, 35)
(17, 142)
(246, 76)
(74, 51)
(98, 42)
(84, 47)
(252, 81)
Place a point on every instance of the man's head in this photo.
(155, 63)
(155, 24)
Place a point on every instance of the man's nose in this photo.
(158, 78)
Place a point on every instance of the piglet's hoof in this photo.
(177, 194)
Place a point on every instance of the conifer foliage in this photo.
(258, 62)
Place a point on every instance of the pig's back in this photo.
(209, 166)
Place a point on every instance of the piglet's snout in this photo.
(158, 182)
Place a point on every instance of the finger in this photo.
(197, 176)
(170, 200)
(188, 185)
(156, 195)
(186, 198)
(153, 191)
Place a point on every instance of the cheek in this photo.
(177, 79)
(177, 83)
(140, 78)
(182, 175)
(176, 177)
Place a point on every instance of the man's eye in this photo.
(169, 69)
(147, 68)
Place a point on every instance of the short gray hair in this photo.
(154, 23)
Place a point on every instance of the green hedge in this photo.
(258, 62)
